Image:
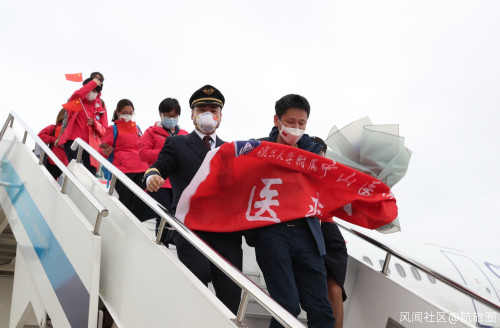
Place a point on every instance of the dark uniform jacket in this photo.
(179, 160)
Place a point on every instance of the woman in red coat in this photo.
(151, 144)
(89, 124)
(125, 148)
(49, 135)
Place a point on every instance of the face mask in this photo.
(92, 95)
(169, 122)
(291, 135)
(126, 117)
(206, 122)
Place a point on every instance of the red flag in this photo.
(77, 77)
(73, 106)
(129, 127)
(249, 184)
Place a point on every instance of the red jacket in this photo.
(77, 126)
(49, 135)
(151, 144)
(126, 150)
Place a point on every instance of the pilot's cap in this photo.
(206, 95)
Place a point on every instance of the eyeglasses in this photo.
(169, 116)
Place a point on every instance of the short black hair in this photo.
(97, 88)
(93, 75)
(291, 101)
(320, 141)
(169, 104)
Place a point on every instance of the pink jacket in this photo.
(49, 135)
(151, 144)
(126, 151)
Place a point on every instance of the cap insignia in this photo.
(208, 92)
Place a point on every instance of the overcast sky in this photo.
(431, 66)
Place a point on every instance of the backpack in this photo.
(105, 172)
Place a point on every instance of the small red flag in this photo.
(127, 127)
(74, 105)
(77, 77)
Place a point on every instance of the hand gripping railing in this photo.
(101, 211)
(249, 287)
(422, 267)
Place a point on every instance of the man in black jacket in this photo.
(180, 159)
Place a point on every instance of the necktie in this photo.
(206, 140)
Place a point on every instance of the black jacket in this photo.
(179, 160)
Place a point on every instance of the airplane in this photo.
(478, 275)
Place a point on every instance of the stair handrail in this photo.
(249, 287)
(389, 252)
(68, 175)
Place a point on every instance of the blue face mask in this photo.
(169, 122)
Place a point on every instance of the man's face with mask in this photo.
(291, 125)
(206, 118)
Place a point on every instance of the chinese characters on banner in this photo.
(249, 184)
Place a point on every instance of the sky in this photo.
(430, 66)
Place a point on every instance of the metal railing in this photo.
(390, 252)
(68, 175)
(249, 287)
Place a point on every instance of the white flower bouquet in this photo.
(377, 150)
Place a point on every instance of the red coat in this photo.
(49, 135)
(151, 144)
(77, 126)
(126, 151)
(95, 133)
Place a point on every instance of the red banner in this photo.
(77, 77)
(249, 184)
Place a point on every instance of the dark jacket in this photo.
(179, 160)
(304, 143)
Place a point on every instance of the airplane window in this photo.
(431, 279)
(400, 270)
(415, 273)
(488, 290)
(367, 260)
(382, 266)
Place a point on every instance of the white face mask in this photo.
(206, 122)
(291, 135)
(126, 117)
(92, 95)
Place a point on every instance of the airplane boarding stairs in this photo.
(79, 249)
